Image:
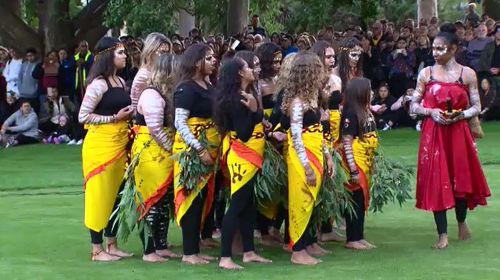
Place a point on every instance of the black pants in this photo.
(158, 221)
(240, 215)
(355, 224)
(306, 239)
(191, 225)
(48, 127)
(22, 139)
(210, 223)
(460, 213)
(109, 231)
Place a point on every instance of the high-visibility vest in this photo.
(84, 72)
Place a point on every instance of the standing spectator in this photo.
(471, 18)
(81, 63)
(12, 71)
(494, 64)
(28, 85)
(423, 53)
(490, 25)
(50, 69)
(401, 63)
(20, 128)
(476, 48)
(255, 27)
(65, 75)
(275, 38)
(287, 45)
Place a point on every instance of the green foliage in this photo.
(392, 181)
(271, 13)
(193, 169)
(451, 10)
(29, 12)
(397, 11)
(272, 179)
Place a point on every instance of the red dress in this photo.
(448, 164)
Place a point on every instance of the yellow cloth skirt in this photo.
(301, 196)
(335, 116)
(104, 160)
(155, 171)
(183, 200)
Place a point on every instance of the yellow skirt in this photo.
(155, 171)
(335, 126)
(183, 200)
(301, 196)
(104, 160)
(364, 154)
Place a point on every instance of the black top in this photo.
(243, 121)
(350, 124)
(495, 61)
(191, 96)
(387, 102)
(113, 100)
(335, 100)
(310, 117)
(139, 118)
(267, 101)
(275, 117)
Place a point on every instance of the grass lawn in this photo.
(42, 235)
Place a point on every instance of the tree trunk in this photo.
(54, 24)
(88, 24)
(15, 33)
(492, 8)
(11, 5)
(186, 22)
(427, 9)
(237, 13)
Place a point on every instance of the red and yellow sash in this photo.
(183, 199)
(301, 196)
(155, 171)
(104, 160)
(364, 154)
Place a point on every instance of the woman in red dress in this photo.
(449, 173)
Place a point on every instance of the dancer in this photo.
(193, 101)
(155, 45)
(305, 152)
(239, 118)
(350, 62)
(449, 173)
(153, 144)
(360, 141)
(105, 110)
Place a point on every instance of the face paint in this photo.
(355, 55)
(439, 50)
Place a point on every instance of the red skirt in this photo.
(449, 167)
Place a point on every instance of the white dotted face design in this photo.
(439, 50)
(355, 54)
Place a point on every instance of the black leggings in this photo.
(21, 139)
(240, 215)
(306, 239)
(355, 223)
(210, 222)
(109, 231)
(191, 225)
(158, 221)
(460, 213)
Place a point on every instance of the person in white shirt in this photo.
(12, 71)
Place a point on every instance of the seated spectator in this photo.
(400, 109)
(55, 106)
(8, 106)
(62, 134)
(487, 93)
(423, 53)
(384, 117)
(20, 128)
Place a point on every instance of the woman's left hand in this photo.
(460, 116)
(330, 166)
(249, 101)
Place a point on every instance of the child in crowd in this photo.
(62, 134)
(384, 116)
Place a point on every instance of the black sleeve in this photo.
(244, 120)
(389, 101)
(275, 117)
(326, 127)
(184, 97)
(349, 124)
(38, 71)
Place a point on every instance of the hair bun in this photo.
(448, 27)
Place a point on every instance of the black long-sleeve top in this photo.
(242, 120)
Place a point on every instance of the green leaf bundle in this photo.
(272, 179)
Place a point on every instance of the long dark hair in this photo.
(248, 57)
(343, 60)
(192, 55)
(319, 48)
(227, 92)
(104, 62)
(357, 99)
(265, 53)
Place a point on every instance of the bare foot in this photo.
(276, 234)
(209, 243)
(356, 245)
(368, 244)
(303, 258)
(114, 250)
(251, 256)
(287, 248)
(268, 240)
(442, 242)
(332, 236)
(194, 260)
(207, 257)
(316, 251)
(101, 256)
(216, 234)
(228, 263)
(168, 254)
(464, 231)
(153, 258)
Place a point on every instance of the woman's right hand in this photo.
(206, 158)
(124, 113)
(310, 176)
(437, 116)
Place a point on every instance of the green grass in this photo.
(42, 235)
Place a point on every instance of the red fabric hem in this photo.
(101, 168)
(155, 197)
